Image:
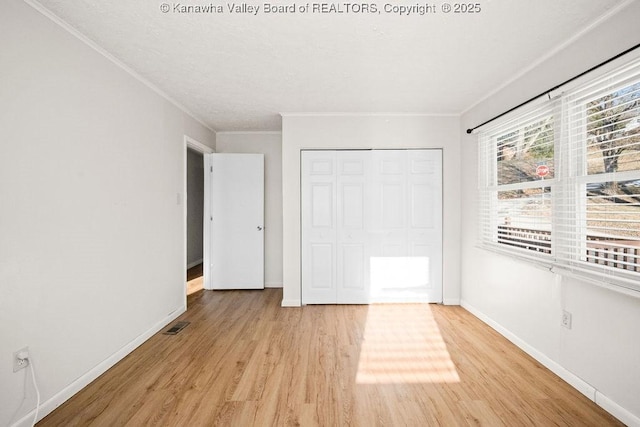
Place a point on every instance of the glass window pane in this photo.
(613, 224)
(526, 154)
(613, 209)
(613, 128)
(524, 219)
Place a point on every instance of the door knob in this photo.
(259, 228)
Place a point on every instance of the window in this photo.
(518, 171)
(561, 183)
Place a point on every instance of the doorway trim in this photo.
(190, 143)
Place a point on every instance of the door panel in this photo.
(425, 232)
(352, 264)
(322, 256)
(393, 205)
(237, 215)
(352, 201)
(352, 231)
(422, 206)
(388, 231)
(322, 205)
(407, 235)
(319, 227)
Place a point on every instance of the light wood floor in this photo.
(244, 361)
(195, 281)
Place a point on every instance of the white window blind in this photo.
(598, 205)
(561, 183)
(517, 174)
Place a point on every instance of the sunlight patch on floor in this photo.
(194, 285)
(402, 344)
(195, 280)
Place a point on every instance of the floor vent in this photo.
(177, 327)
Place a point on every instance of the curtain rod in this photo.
(546, 92)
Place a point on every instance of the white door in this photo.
(406, 241)
(319, 227)
(371, 226)
(353, 218)
(237, 221)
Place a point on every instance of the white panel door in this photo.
(389, 248)
(237, 220)
(424, 228)
(406, 243)
(353, 222)
(319, 227)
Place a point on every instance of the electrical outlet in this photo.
(566, 319)
(20, 359)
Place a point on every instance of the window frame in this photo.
(489, 187)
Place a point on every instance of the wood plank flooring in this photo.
(245, 361)
(195, 280)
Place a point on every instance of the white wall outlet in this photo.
(566, 319)
(20, 359)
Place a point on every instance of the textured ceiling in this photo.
(239, 71)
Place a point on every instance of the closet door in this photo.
(406, 233)
(353, 222)
(371, 226)
(389, 249)
(424, 227)
(319, 227)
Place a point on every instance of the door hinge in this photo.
(211, 169)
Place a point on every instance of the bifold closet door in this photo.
(371, 226)
(406, 229)
(335, 248)
(319, 227)
(353, 222)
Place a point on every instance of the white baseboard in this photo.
(194, 263)
(616, 410)
(273, 285)
(576, 382)
(290, 303)
(65, 394)
(451, 301)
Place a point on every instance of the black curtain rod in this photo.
(556, 87)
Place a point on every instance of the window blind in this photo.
(518, 168)
(598, 201)
(560, 183)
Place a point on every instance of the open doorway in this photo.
(195, 227)
(195, 214)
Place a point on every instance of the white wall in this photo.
(600, 353)
(195, 206)
(369, 131)
(91, 234)
(269, 144)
